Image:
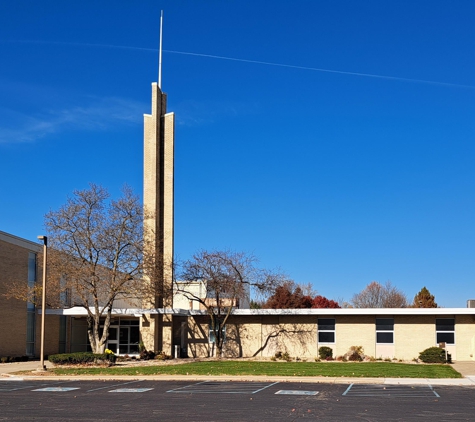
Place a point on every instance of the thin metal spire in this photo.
(160, 53)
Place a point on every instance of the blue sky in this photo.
(338, 146)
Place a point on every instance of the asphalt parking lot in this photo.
(147, 400)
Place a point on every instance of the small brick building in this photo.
(400, 333)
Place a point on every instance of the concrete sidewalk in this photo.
(8, 368)
(467, 369)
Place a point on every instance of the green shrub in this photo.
(81, 358)
(10, 359)
(325, 353)
(434, 355)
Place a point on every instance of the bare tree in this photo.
(224, 278)
(96, 254)
(376, 295)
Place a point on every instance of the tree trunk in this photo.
(219, 350)
(93, 328)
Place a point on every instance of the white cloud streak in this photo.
(99, 115)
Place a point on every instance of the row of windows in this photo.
(444, 328)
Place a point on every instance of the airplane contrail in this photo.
(317, 69)
(265, 63)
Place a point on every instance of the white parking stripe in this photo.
(115, 385)
(348, 389)
(263, 388)
(226, 387)
(435, 392)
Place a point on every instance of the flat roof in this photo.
(19, 241)
(80, 311)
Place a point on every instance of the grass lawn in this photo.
(326, 369)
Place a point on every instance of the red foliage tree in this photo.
(288, 296)
(323, 302)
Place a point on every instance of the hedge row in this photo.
(8, 359)
(81, 358)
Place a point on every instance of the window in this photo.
(445, 330)
(211, 336)
(326, 330)
(384, 330)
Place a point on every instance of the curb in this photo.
(224, 378)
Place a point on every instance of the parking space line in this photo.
(390, 391)
(115, 385)
(175, 390)
(263, 388)
(435, 392)
(348, 389)
(207, 387)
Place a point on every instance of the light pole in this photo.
(42, 366)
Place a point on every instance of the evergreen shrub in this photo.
(434, 355)
(80, 358)
(325, 353)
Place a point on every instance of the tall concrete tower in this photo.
(158, 216)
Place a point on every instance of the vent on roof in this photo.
(471, 303)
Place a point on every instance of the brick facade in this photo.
(158, 209)
(14, 255)
(263, 335)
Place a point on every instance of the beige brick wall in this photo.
(168, 197)
(464, 338)
(158, 209)
(257, 336)
(413, 334)
(263, 336)
(355, 331)
(297, 336)
(243, 337)
(198, 345)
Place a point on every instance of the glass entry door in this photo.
(124, 337)
(129, 337)
(113, 339)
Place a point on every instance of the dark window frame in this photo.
(326, 327)
(445, 331)
(384, 330)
